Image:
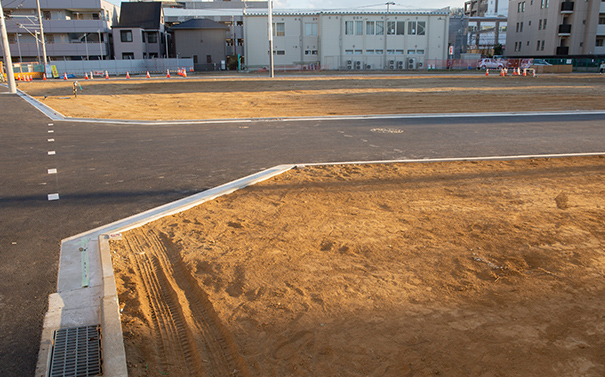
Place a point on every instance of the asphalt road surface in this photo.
(104, 172)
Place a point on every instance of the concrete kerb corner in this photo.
(75, 305)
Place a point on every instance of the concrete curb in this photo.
(86, 289)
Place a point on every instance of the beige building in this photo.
(555, 28)
(348, 40)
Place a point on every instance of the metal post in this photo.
(270, 3)
(37, 44)
(386, 32)
(8, 60)
(42, 35)
(86, 44)
(100, 45)
(19, 46)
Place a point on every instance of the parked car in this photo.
(488, 63)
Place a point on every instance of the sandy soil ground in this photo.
(318, 95)
(453, 269)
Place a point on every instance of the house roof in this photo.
(146, 15)
(199, 23)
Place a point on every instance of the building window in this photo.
(379, 52)
(239, 23)
(369, 52)
(348, 52)
(280, 52)
(390, 52)
(349, 27)
(50, 39)
(47, 15)
(358, 52)
(400, 27)
(229, 42)
(358, 27)
(128, 55)
(541, 4)
(310, 29)
(208, 59)
(539, 24)
(279, 29)
(601, 20)
(240, 42)
(411, 52)
(370, 26)
(398, 52)
(421, 27)
(126, 35)
(194, 59)
(310, 52)
(391, 27)
(599, 42)
(538, 46)
(521, 27)
(412, 28)
(379, 27)
(419, 52)
(152, 37)
(153, 55)
(542, 46)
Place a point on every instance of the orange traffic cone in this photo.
(91, 75)
(184, 72)
(167, 73)
(65, 76)
(106, 75)
(148, 76)
(127, 75)
(85, 76)
(524, 72)
(44, 76)
(486, 71)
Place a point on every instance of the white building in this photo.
(349, 40)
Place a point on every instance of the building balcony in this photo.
(567, 7)
(59, 49)
(562, 50)
(564, 30)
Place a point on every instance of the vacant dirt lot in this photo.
(452, 269)
(259, 97)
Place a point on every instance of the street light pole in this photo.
(270, 2)
(19, 46)
(42, 35)
(8, 60)
(86, 44)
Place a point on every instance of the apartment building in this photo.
(73, 30)
(348, 40)
(487, 25)
(140, 33)
(561, 28)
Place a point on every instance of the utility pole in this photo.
(386, 32)
(270, 3)
(8, 61)
(42, 35)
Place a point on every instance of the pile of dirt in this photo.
(457, 269)
(260, 97)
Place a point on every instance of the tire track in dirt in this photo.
(191, 340)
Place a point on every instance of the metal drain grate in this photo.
(76, 352)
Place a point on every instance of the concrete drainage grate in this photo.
(76, 352)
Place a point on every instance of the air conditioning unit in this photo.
(400, 65)
(391, 64)
(411, 63)
(420, 65)
(358, 65)
(368, 66)
(349, 65)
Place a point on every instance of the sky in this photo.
(371, 4)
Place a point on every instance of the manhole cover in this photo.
(76, 352)
(387, 130)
